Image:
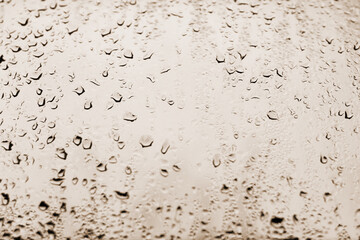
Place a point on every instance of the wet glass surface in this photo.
(156, 119)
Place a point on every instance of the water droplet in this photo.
(5, 199)
(146, 141)
(61, 173)
(267, 74)
(15, 49)
(148, 55)
(79, 90)
(112, 160)
(216, 160)
(56, 181)
(43, 206)
(38, 53)
(41, 101)
(357, 46)
(84, 182)
(128, 116)
(88, 105)
(323, 159)
(128, 170)
(39, 91)
(164, 172)
(272, 115)
(196, 28)
(92, 190)
(231, 157)
(165, 70)
(121, 145)
(87, 144)
(23, 21)
(120, 22)
(105, 32)
(275, 221)
(224, 189)
(72, 29)
(50, 139)
(122, 195)
(77, 140)
(101, 167)
(36, 76)
(61, 153)
(348, 114)
(105, 73)
(63, 207)
(128, 54)
(242, 55)
(75, 180)
(220, 58)
(117, 97)
(165, 147)
(176, 168)
(15, 92)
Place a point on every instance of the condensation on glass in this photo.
(156, 119)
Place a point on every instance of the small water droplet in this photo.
(43, 206)
(122, 195)
(50, 139)
(105, 32)
(120, 22)
(117, 97)
(276, 221)
(272, 115)
(61, 173)
(128, 170)
(148, 55)
(146, 141)
(128, 54)
(220, 58)
(88, 105)
(5, 199)
(128, 116)
(112, 160)
(121, 145)
(79, 90)
(75, 180)
(323, 159)
(224, 189)
(72, 29)
(77, 140)
(105, 73)
(61, 153)
(23, 21)
(87, 144)
(101, 167)
(164, 172)
(216, 160)
(165, 147)
(56, 181)
(176, 168)
(196, 28)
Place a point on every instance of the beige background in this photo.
(179, 119)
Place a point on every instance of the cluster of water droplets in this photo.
(179, 119)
